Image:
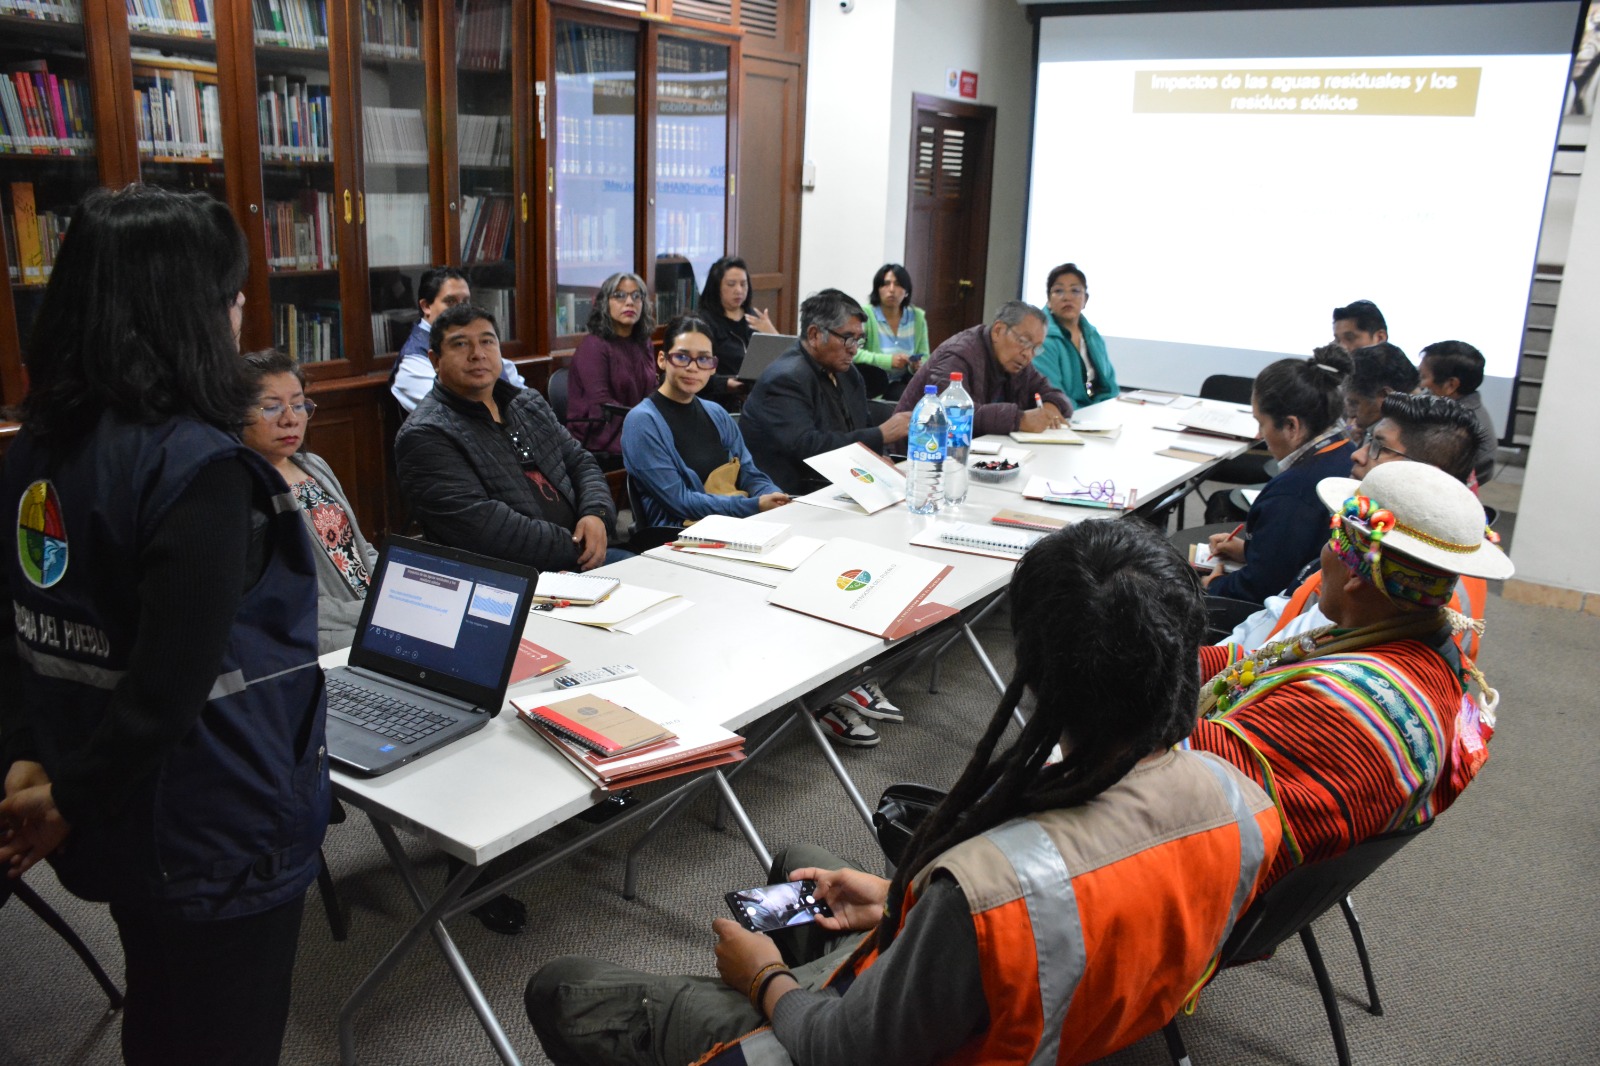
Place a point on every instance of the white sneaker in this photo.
(846, 727)
(868, 700)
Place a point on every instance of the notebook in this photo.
(1201, 559)
(762, 351)
(574, 588)
(1072, 492)
(1059, 435)
(1220, 422)
(596, 724)
(1024, 520)
(433, 651)
(738, 534)
(987, 540)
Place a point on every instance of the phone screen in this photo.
(770, 907)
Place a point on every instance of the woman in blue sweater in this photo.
(685, 454)
(1297, 403)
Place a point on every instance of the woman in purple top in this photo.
(613, 364)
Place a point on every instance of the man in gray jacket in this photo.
(487, 467)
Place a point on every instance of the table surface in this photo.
(730, 655)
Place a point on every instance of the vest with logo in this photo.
(1095, 923)
(231, 822)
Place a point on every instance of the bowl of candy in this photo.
(994, 470)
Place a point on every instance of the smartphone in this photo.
(761, 910)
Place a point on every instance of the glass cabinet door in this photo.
(301, 202)
(691, 168)
(596, 96)
(177, 101)
(47, 141)
(484, 138)
(395, 160)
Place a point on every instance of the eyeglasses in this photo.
(682, 359)
(852, 341)
(634, 297)
(1376, 447)
(1074, 291)
(1029, 350)
(1098, 491)
(273, 412)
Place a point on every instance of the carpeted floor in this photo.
(1483, 932)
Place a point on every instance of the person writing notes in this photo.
(996, 363)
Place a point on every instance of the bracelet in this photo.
(763, 977)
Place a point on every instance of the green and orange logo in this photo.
(861, 475)
(41, 535)
(853, 580)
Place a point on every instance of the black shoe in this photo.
(502, 914)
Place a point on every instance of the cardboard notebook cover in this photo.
(867, 588)
(595, 723)
(862, 474)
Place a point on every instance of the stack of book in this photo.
(483, 140)
(176, 18)
(399, 232)
(310, 334)
(486, 228)
(33, 237)
(44, 10)
(393, 135)
(483, 37)
(391, 29)
(180, 116)
(43, 114)
(291, 23)
(292, 115)
(300, 233)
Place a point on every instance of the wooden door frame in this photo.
(978, 240)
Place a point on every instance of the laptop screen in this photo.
(444, 619)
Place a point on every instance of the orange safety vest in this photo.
(1095, 923)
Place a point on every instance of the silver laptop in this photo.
(762, 351)
(432, 655)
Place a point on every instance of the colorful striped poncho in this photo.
(1355, 742)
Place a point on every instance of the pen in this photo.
(1038, 401)
(680, 544)
(1236, 531)
(550, 605)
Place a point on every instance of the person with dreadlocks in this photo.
(1044, 911)
(1353, 727)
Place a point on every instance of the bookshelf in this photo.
(691, 168)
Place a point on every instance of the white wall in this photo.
(1558, 521)
(863, 69)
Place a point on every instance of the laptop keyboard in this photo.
(388, 716)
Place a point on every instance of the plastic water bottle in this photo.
(925, 448)
(958, 417)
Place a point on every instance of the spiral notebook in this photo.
(978, 540)
(738, 534)
(573, 588)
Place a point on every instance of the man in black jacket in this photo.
(487, 467)
(812, 399)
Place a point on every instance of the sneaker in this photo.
(845, 726)
(867, 699)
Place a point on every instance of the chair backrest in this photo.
(1229, 388)
(556, 393)
(644, 537)
(1304, 893)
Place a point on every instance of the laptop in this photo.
(432, 654)
(762, 351)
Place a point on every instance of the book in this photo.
(995, 542)
(1221, 422)
(785, 556)
(596, 724)
(735, 534)
(533, 661)
(865, 587)
(25, 223)
(1201, 559)
(1059, 435)
(574, 588)
(862, 474)
(1024, 520)
(1148, 396)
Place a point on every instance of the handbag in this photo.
(903, 808)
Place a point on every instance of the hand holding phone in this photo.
(769, 907)
(855, 897)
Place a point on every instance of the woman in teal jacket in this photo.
(1074, 358)
(897, 334)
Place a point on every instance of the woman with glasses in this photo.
(612, 365)
(1074, 357)
(897, 334)
(685, 454)
(726, 308)
(161, 724)
(277, 432)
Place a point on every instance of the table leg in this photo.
(803, 713)
(742, 819)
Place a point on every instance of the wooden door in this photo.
(947, 213)
(767, 196)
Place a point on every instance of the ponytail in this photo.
(1307, 389)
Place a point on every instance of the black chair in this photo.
(644, 537)
(48, 915)
(556, 393)
(1223, 615)
(1249, 468)
(1227, 388)
(1289, 907)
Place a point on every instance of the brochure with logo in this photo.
(863, 586)
(862, 474)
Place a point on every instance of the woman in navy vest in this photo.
(162, 731)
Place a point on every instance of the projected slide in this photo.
(423, 604)
(1230, 202)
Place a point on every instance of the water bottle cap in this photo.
(930, 390)
(955, 378)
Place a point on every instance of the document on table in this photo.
(1196, 449)
(620, 607)
(1221, 422)
(865, 587)
(997, 542)
(862, 474)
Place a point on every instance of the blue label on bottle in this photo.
(928, 448)
(960, 427)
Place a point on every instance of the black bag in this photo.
(901, 810)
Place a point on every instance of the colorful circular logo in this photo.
(41, 535)
(861, 475)
(851, 580)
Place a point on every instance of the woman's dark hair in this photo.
(600, 323)
(1065, 268)
(692, 322)
(135, 319)
(711, 295)
(901, 274)
(1308, 389)
(258, 366)
(1378, 367)
(1110, 694)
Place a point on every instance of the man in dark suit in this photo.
(812, 399)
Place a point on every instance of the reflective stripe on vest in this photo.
(1053, 912)
(285, 501)
(232, 683)
(1252, 848)
(61, 669)
(762, 1049)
